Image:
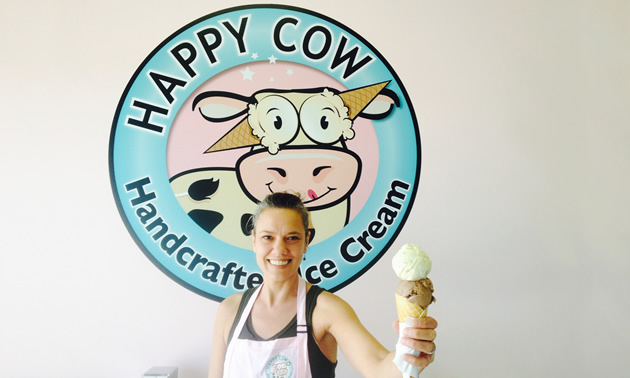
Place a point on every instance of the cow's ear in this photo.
(381, 106)
(216, 106)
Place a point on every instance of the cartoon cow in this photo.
(297, 141)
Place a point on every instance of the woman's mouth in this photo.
(279, 262)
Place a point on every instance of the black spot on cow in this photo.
(203, 189)
(206, 219)
(247, 224)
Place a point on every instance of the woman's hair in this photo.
(281, 200)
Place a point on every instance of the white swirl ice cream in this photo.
(411, 263)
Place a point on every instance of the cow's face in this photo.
(323, 176)
(303, 134)
(297, 139)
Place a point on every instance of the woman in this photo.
(290, 328)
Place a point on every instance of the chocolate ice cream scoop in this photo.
(418, 292)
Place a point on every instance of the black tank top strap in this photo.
(321, 366)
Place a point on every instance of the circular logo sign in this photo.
(254, 100)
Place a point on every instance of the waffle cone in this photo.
(406, 309)
(240, 136)
(357, 99)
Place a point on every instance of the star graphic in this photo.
(272, 59)
(254, 56)
(289, 72)
(247, 74)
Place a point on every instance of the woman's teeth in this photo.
(279, 262)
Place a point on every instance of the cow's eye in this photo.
(277, 123)
(321, 119)
(278, 119)
(323, 122)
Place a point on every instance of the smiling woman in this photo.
(287, 326)
(280, 237)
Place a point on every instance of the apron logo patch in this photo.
(279, 367)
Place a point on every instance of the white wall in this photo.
(523, 200)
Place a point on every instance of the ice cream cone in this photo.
(357, 99)
(240, 136)
(407, 309)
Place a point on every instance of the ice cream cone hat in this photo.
(357, 99)
(241, 135)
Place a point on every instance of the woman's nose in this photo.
(280, 245)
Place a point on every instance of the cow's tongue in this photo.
(312, 194)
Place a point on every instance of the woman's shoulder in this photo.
(331, 317)
(229, 306)
(232, 300)
(226, 314)
(330, 304)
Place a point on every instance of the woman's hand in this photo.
(419, 335)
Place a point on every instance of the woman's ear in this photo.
(308, 240)
(310, 235)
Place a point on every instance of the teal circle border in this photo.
(133, 155)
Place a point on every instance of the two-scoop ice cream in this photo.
(412, 265)
(413, 295)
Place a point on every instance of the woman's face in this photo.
(279, 242)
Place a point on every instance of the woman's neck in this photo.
(276, 293)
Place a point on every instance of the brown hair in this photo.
(281, 200)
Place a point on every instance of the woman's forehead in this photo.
(280, 217)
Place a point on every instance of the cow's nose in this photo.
(279, 171)
(317, 171)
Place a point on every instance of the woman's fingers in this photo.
(427, 322)
(427, 347)
(421, 361)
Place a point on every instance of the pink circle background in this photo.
(191, 134)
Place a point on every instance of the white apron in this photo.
(280, 358)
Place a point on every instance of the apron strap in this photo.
(229, 353)
(303, 368)
(301, 307)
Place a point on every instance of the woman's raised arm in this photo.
(362, 350)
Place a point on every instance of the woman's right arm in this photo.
(225, 318)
